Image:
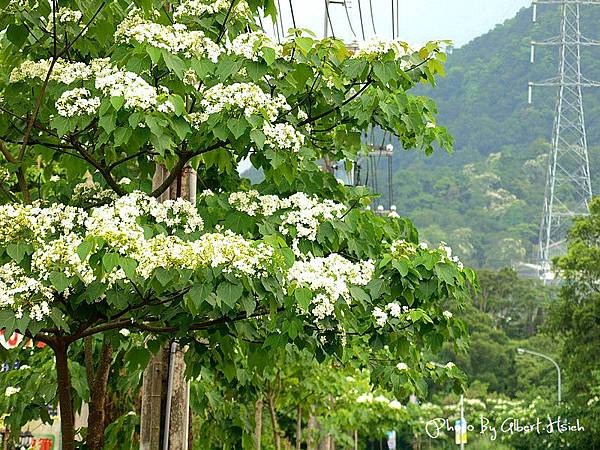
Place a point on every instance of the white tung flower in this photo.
(381, 316)
(77, 102)
(402, 366)
(447, 314)
(11, 390)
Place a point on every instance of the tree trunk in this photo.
(65, 399)
(298, 427)
(258, 410)
(98, 393)
(355, 439)
(274, 422)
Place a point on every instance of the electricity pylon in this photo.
(568, 186)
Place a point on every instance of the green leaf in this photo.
(181, 127)
(58, 320)
(258, 137)
(60, 281)
(229, 293)
(178, 103)
(84, 249)
(385, 72)
(269, 55)
(359, 294)
(117, 102)
(128, 265)
(17, 34)
(196, 296)
(174, 63)
(110, 261)
(163, 276)
(237, 126)
(446, 272)
(249, 304)
(304, 44)
(17, 251)
(154, 53)
(303, 297)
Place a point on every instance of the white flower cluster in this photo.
(197, 8)
(393, 309)
(58, 232)
(283, 136)
(77, 102)
(226, 249)
(448, 255)
(376, 47)
(251, 45)
(248, 97)
(90, 192)
(17, 290)
(305, 213)
(308, 213)
(64, 15)
(174, 38)
(11, 390)
(252, 203)
(370, 398)
(112, 81)
(115, 82)
(330, 278)
(63, 71)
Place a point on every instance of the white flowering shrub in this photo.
(97, 95)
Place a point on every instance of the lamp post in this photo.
(522, 351)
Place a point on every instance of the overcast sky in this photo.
(420, 20)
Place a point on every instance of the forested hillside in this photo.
(486, 198)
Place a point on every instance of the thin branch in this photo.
(184, 157)
(101, 168)
(130, 157)
(83, 30)
(335, 108)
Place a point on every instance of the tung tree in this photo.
(96, 95)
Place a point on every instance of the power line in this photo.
(292, 12)
(362, 26)
(328, 19)
(372, 17)
(348, 17)
(280, 19)
(393, 24)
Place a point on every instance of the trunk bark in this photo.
(258, 410)
(65, 399)
(98, 394)
(298, 427)
(274, 421)
(355, 439)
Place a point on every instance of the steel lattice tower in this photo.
(568, 186)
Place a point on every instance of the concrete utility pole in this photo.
(568, 186)
(165, 417)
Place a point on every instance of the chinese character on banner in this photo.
(42, 443)
(391, 440)
(460, 429)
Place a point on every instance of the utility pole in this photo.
(164, 422)
(568, 187)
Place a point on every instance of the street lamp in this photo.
(522, 351)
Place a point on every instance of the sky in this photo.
(419, 20)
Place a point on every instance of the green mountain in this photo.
(486, 199)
